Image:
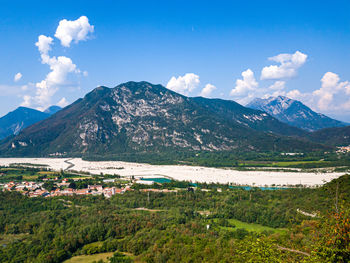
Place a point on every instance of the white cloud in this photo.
(289, 65)
(62, 103)
(17, 77)
(245, 88)
(26, 101)
(61, 66)
(276, 89)
(77, 30)
(295, 94)
(44, 44)
(278, 85)
(184, 84)
(39, 94)
(24, 87)
(331, 86)
(207, 90)
(331, 98)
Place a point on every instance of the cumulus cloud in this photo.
(278, 85)
(274, 90)
(44, 44)
(207, 90)
(295, 94)
(26, 101)
(248, 88)
(17, 77)
(289, 65)
(61, 66)
(245, 87)
(77, 30)
(330, 86)
(62, 103)
(184, 84)
(332, 97)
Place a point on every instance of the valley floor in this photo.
(181, 172)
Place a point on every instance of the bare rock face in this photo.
(294, 113)
(142, 117)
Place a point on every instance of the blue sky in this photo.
(184, 45)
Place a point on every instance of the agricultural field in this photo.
(90, 258)
(24, 173)
(234, 224)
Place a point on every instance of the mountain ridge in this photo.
(142, 117)
(294, 113)
(337, 136)
(52, 109)
(14, 121)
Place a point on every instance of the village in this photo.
(37, 189)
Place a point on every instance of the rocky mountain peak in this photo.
(294, 113)
(142, 117)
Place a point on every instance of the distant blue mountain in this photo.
(22, 117)
(53, 109)
(294, 113)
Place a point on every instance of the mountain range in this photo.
(22, 117)
(294, 113)
(141, 117)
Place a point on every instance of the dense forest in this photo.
(200, 224)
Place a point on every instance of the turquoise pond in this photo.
(157, 180)
(163, 180)
(261, 188)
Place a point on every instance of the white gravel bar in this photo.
(183, 172)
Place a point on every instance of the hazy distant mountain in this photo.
(53, 109)
(294, 113)
(20, 118)
(139, 117)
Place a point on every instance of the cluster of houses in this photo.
(22, 187)
(33, 189)
(343, 149)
